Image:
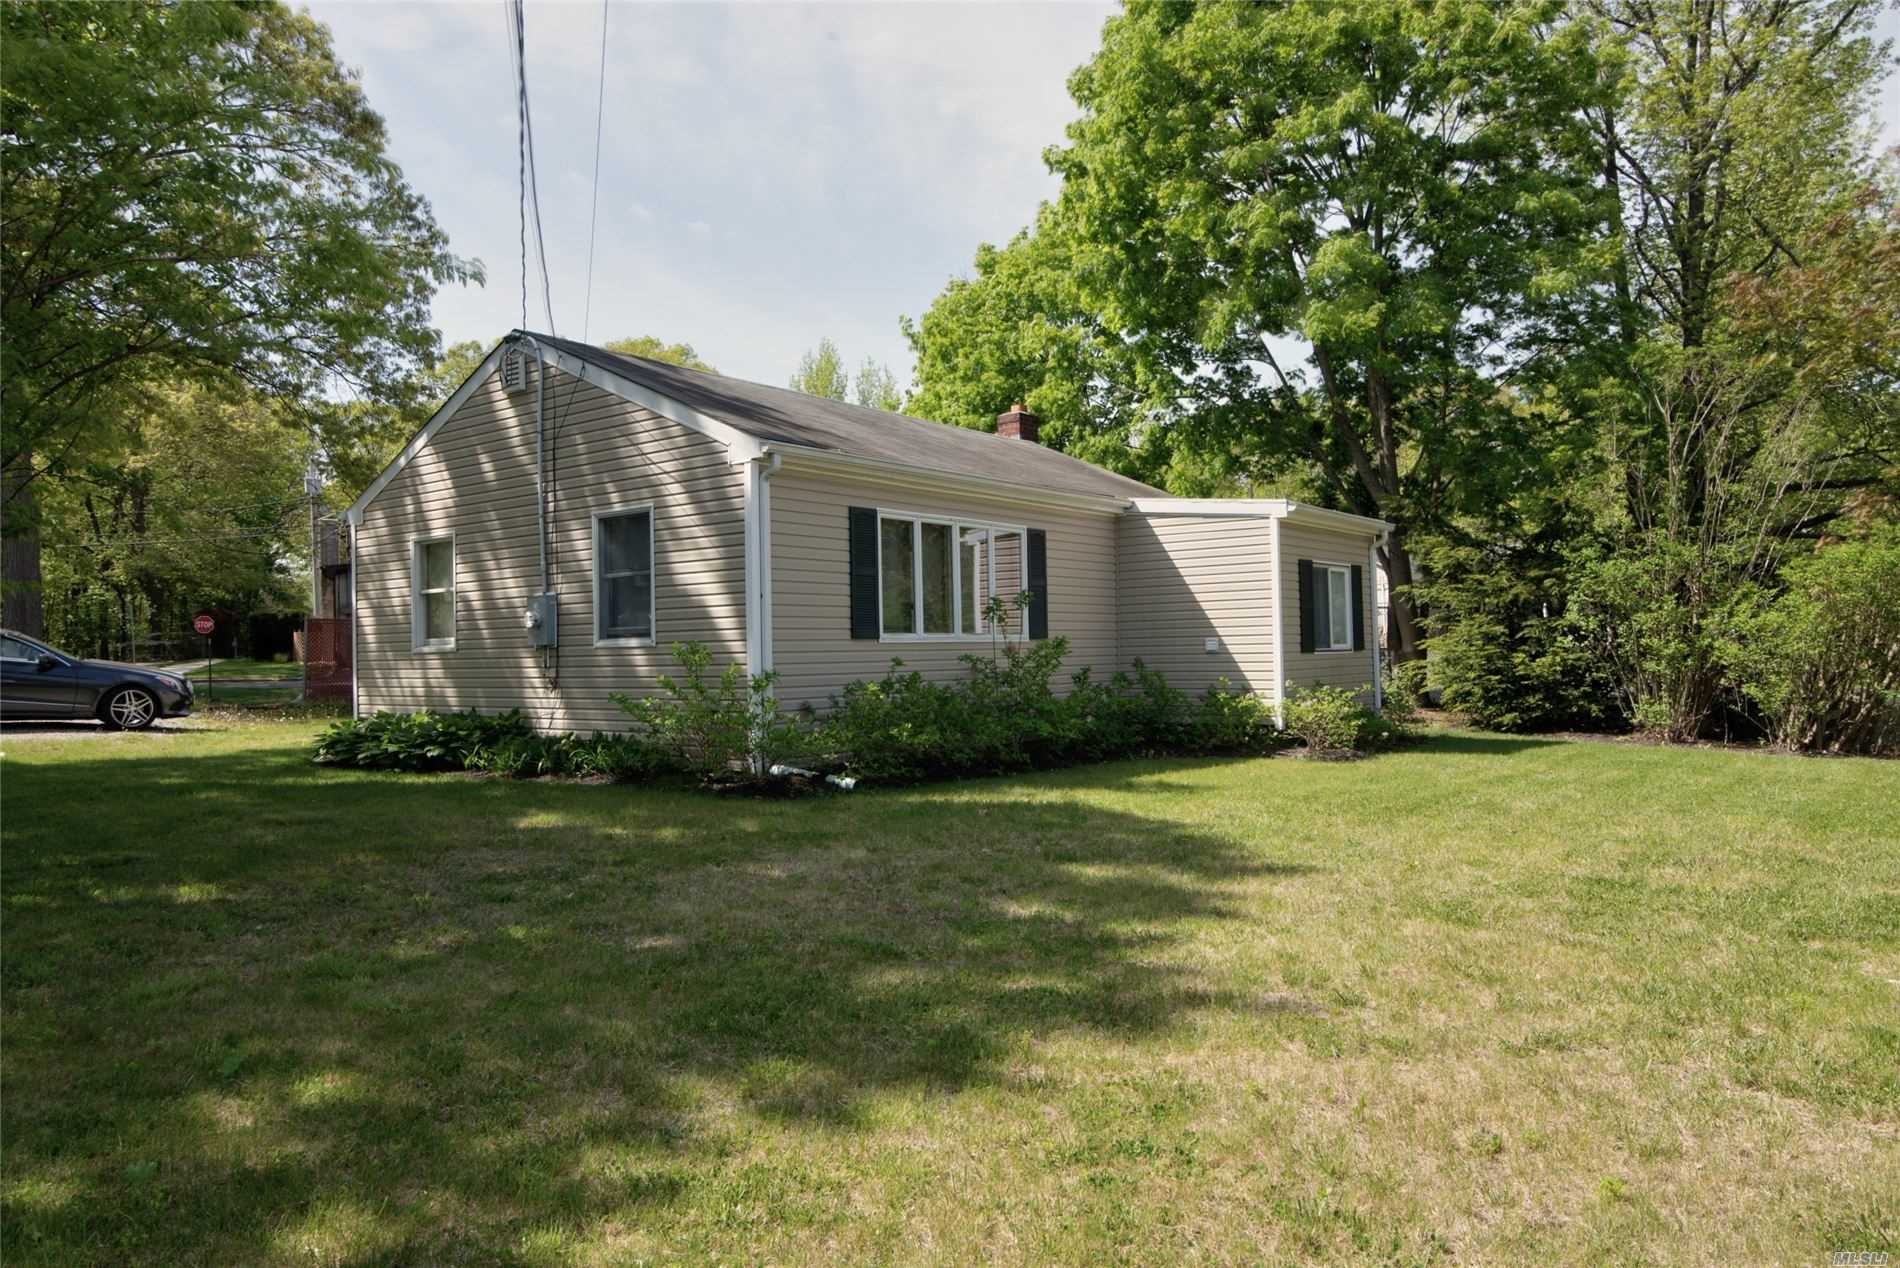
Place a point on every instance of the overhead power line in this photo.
(593, 215)
(530, 184)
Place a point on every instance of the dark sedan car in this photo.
(38, 682)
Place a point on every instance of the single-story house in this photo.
(806, 537)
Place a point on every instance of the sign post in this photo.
(204, 623)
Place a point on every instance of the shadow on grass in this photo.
(249, 999)
(1488, 744)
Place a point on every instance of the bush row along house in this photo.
(571, 513)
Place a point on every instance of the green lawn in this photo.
(276, 670)
(221, 694)
(1488, 1000)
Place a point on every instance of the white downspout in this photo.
(1278, 615)
(356, 665)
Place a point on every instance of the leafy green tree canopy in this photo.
(658, 350)
(1407, 188)
(822, 372)
(194, 190)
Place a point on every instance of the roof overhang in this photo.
(1258, 508)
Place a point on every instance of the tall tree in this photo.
(1757, 401)
(875, 387)
(822, 372)
(1019, 329)
(654, 349)
(1406, 186)
(203, 507)
(193, 191)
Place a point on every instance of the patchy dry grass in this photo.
(1488, 1000)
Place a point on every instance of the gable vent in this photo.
(515, 370)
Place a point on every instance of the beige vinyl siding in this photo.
(813, 650)
(1339, 669)
(475, 479)
(1186, 578)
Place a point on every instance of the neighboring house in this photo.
(807, 537)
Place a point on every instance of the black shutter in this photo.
(1358, 608)
(1037, 566)
(1308, 637)
(864, 614)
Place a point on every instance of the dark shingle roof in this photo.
(816, 422)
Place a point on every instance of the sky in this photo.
(769, 173)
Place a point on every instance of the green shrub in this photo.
(620, 758)
(523, 756)
(1006, 717)
(718, 728)
(615, 757)
(1334, 721)
(1228, 721)
(416, 741)
(1406, 682)
(1506, 652)
(1822, 660)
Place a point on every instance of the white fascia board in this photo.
(1231, 508)
(740, 447)
(1319, 515)
(354, 515)
(798, 458)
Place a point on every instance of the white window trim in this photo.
(418, 610)
(957, 525)
(1321, 566)
(653, 589)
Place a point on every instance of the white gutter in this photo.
(1255, 508)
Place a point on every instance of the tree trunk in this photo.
(22, 602)
(1402, 614)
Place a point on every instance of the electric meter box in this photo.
(544, 621)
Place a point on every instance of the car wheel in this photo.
(129, 709)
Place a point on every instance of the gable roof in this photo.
(777, 415)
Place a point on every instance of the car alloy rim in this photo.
(131, 708)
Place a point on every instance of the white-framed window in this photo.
(432, 593)
(937, 574)
(1332, 593)
(623, 577)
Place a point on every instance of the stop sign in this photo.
(203, 623)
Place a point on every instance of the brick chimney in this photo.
(1018, 424)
